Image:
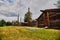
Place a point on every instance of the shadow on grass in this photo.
(58, 37)
(0, 37)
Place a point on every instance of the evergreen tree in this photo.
(28, 16)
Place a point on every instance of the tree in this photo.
(28, 16)
(2, 23)
(25, 18)
(8, 23)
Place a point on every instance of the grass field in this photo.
(22, 33)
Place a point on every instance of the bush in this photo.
(4, 23)
(8, 23)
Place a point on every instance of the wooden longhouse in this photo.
(49, 18)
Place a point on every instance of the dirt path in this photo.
(31, 28)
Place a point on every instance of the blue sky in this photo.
(10, 8)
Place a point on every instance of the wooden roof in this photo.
(50, 10)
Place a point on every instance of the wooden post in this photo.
(46, 19)
(38, 23)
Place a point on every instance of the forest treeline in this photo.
(4, 23)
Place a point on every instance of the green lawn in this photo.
(21, 33)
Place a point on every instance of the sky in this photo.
(9, 9)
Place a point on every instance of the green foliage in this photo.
(4, 23)
(28, 16)
(8, 23)
(25, 18)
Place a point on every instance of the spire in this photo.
(18, 17)
(28, 9)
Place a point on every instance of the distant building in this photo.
(49, 18)
(16, 23)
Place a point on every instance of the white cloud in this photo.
(37, 5)
(8, 18)
(21, 6)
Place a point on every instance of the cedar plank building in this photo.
(49, 18)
